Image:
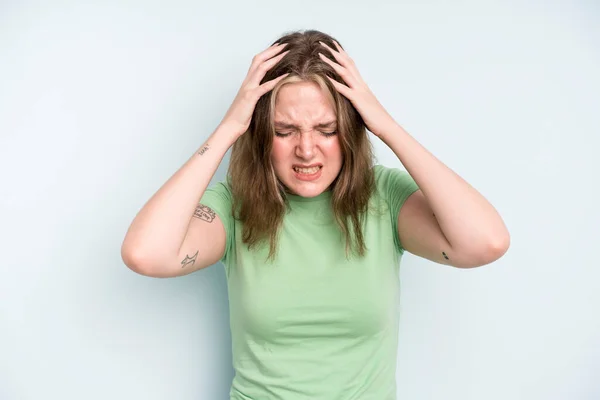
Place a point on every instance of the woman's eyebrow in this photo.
(285, 125)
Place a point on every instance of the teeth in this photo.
(307, 170)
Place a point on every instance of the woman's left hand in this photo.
(376, 118)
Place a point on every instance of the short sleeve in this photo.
(218, 198)
(395, 186)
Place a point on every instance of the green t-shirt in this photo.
(313, 324)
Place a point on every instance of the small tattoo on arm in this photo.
(445, 256)
(203, 149)
(205, 213)
(189, 260)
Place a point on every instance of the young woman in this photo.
(310, 232)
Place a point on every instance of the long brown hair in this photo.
(259, 198)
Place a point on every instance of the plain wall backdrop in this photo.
(102, 101)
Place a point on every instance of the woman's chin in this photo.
(306, 189)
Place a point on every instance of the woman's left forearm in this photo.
(469, 222)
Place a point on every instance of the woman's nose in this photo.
(306, 146)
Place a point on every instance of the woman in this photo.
(310, 232)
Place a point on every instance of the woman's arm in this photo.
(447, 218)
(157, 236)
(449, 207)
(160, 227)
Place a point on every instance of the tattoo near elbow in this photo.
(189, 260)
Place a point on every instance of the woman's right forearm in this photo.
(159, 228)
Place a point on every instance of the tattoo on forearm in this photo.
(205, 213)
(189, 260)
(203, 149)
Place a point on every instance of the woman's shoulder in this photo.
(222, 188)
(385, 175)
(391, 182)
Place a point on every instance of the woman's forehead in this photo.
(303, 102)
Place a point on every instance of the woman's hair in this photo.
(259, 198)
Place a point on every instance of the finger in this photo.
(259, 73)
(268, 86)
(343, 59)
(344, 90)
(343, 72)
(272, 48)
(265, 55)
(338, 47)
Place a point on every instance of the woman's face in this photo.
(306, 149)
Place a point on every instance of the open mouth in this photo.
(308, 171)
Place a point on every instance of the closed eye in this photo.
(281, 134)
(327, 134)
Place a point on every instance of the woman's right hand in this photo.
(240, 112)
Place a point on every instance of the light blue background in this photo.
(102, 101)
